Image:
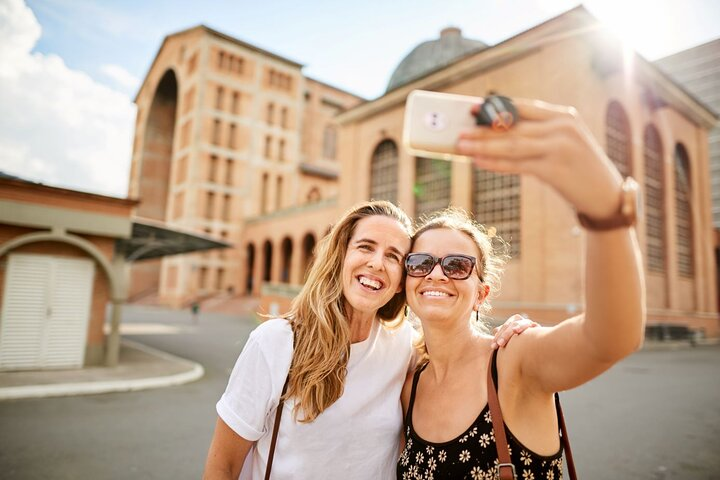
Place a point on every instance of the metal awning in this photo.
(155, 239)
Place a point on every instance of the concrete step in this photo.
(235, 305)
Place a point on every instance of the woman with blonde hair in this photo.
(453, 269)
(342, 354)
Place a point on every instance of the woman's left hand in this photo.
(514, 325)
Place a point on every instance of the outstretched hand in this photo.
(514, 325)
(552, 143)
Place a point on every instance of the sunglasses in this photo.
(454, 266)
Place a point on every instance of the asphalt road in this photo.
(654, 416)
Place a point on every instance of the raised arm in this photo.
(552, 144)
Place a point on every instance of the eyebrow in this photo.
(373, 242)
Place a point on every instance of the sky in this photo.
(69, 69)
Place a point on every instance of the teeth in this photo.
(433, 293)
(370, 283)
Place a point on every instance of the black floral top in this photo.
(472, 454)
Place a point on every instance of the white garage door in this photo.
(45, 312)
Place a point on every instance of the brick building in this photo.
(59, 271)
(227, 132)
(64, 256)
(291, 178)
(698, 70)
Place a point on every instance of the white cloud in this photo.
(18, 33)
(58, 125)
(120, 76)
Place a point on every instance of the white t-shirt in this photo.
(357, 437)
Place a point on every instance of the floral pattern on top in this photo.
(472, 455)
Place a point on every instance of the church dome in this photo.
(432, 55)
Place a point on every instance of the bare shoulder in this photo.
(513, 358)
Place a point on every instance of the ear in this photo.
(483, 292)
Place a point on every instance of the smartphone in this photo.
(433, 122)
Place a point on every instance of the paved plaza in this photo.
(654, 416)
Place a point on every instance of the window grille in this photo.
(618, 138)
(683, 212)
(496, 204)
(654, 200)
(432, 185)
(384, 172)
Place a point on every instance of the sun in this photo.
(647, 27)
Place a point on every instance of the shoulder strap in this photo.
(416, 377)
(278, 416)
(276, 427)
(506, 470)
(565, 439)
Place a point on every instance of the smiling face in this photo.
(437, 297)
(373, 265)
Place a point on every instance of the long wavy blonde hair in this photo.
(320, 321)
(493, 252)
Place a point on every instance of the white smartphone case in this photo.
(433, 122)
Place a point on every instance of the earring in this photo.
(477, 315)
(406, 313)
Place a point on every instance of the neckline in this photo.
(371, 335)
(360, 350)
(457, 438)
(493, 366)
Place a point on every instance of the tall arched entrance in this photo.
(308, 247)
(154, 179)
(267, 261)
(157, 149)
(287, 252)
(250, 270)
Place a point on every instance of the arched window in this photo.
(278, 192)
(264, 194)
(220, 279)
(287, 251)
(313, 195)
(267, 266)
(283, 117)
(270, 113)
(219, 98)
(330, 142)
(281, 150)
(654, 199)
(683, 212)
(235, 108)
(384, 172)
(231, 136)
(618, 138)
(432, 185)
(496, 204)
(216, 132)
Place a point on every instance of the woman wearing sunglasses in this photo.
(453, 270)
(342, 353)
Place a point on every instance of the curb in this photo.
(673, 345)
(90, 388)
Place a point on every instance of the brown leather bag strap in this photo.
(565, 439)
(276, 427)
(506, 469)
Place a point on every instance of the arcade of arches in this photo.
(294, 257)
